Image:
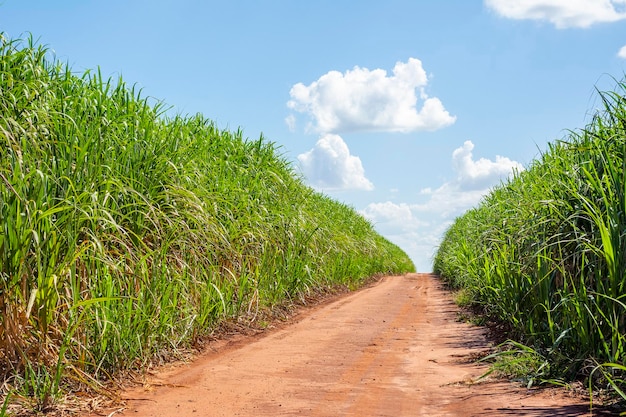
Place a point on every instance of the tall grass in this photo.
(546, 251)
(126, 235)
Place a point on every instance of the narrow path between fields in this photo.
(392, 349)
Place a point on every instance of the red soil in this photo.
(393, 349)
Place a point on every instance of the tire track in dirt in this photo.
(392, 349)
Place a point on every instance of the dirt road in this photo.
(393, 349)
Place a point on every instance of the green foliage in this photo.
(546, 251)
(515, 360)
(126, 235)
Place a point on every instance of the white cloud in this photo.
(622, 52)
(473, 180)
(396, 217)
(417, 228)
(291, 122)
(449, 200)
(483, 173)
(562, 13)
(330, 166)
(364, 100)
(401, 224)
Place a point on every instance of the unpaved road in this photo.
(392, 349)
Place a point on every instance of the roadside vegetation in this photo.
(545, 253)
(127, 234)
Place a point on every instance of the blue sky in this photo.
(409, 111)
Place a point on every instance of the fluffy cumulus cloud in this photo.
(622, 52)
(330, 166)
(418, 227)
(482, 173)
(562, 13)
(371, 100)
(474, 178)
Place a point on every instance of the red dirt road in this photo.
(392, 349)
